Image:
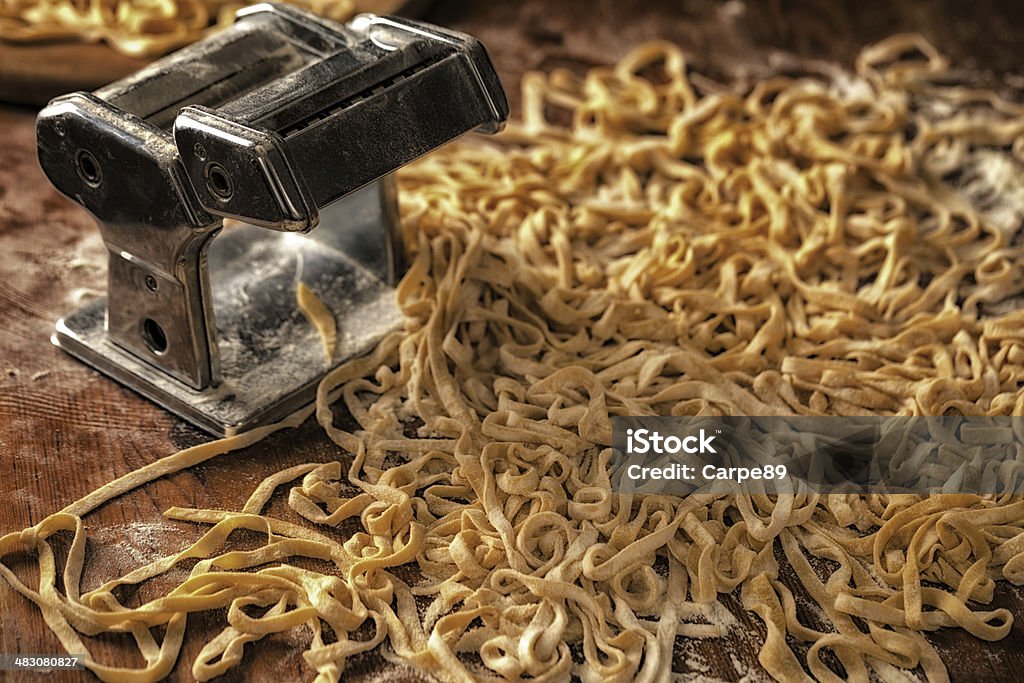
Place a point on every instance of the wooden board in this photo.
(64, 429)
(33, 74)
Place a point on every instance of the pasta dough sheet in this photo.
(827, 244)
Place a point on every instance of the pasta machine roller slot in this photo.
(282, 123)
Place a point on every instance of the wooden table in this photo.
(64, 429)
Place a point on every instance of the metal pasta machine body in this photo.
(283, 122)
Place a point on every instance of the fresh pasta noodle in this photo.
(319, 316)
(819, 245)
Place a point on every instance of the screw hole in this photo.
(218, 181)
(154, 336)
(88, 168)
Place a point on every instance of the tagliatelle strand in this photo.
(319, 316)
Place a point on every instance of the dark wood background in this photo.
(64, 429)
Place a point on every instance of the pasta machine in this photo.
(281, 123)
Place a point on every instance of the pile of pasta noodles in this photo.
(838, 243)
(139, 28)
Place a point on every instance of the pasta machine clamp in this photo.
(283, 122)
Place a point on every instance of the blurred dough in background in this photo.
(146, 28)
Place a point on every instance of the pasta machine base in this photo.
(271, 357)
